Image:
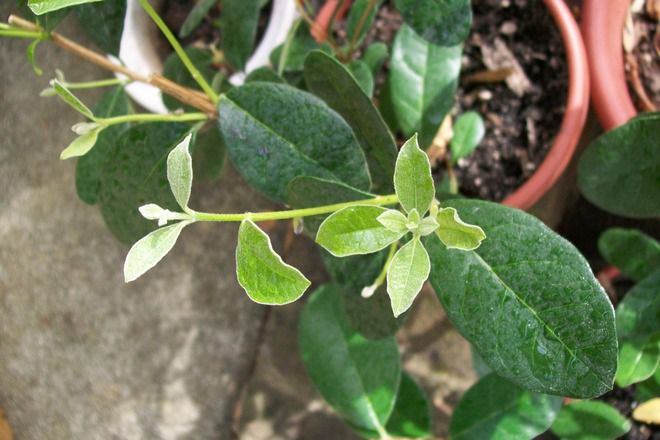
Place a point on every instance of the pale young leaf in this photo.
(152, 211)
(427, 226)
(180, 172)
(81, 145)
(149, 250)
(40, 7)
(68, 97)
(455, 233)
(408, 270)
(393, 220)
(262, 273)
(413, 182)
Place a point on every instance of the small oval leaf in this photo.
(180, 172)
(594, 420)
(65, 94)
(412, 178)
(445, 22)
(455, 233)
(408, 270)
(469, 130)
(81, 145)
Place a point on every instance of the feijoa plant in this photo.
(307, 134)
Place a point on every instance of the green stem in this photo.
(20, 33)
(292, 213)
(197, 76)
(148, 117)
(95, 84)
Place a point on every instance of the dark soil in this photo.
(519, 130)
(643, 62)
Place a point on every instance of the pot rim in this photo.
(602, 28)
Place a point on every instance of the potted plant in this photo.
(514, 288)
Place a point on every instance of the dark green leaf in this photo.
(195, 17)
(639, 312)
(302, 44)
(358, 377)
(441, 22)
(469, 129)
(362, 76)
(88, 169)
(274, 133)
(47, 21)
(40, 7)
(529, 303)
(632, 251)
(648, 389)
(589, 420)
(137, 175)
(239, 29)
(375, 56)
(371, 317)
(328, 79)
(208, 151)
(354, 272)
(496, 409)
(264, 74)
(620, 171)
(357, 17)
(480, 367)
(308, 192)
(423, 80)
(104, 23)
(175, 70)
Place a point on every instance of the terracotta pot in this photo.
(602, 29)
(320, 29)
(543, 194)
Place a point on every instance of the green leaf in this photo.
(262, 273)
(355, 230)
(355, 272)
(408, 270)
(81, 145)
(638, 360)
(496, 409)
(455, 233)
(444, 22)
(637, 315)
(301, 45)
(331, 81)
(358, 377)
(529, 303)
(48, 21)
(394, 220)
(30, 52)
(649, 389)
(195, 16)
(147, 252)
(589, 420)
(374, 57)
(478, 364)
(88, 168)
(308, 192)
(68, 97)
(264, 74)
(469, 130)
(412, 178)
(208, 152)
(355, 19)
(180, 172)
(371, 317)
(103, 22)
(362, 76)
(40, 7)
(423, 81)
(274, 133)
(620, 171)
(137, 175)
(632, 251)
(239, 29)
(176, 71)
(427, 226)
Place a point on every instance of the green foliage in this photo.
(444, 22)
(333, 83)
(262, 273)
(175, 70)
(104, 23)
(239, 21)
(412, 178)
(275, 133)
(65, 95)
(208, 151)
(409, 269)
(264, 74)
(455, 233)
(40, 7)
(363, 76)
(633, 252)
(469, 130)
(195, 16)
(496, 409)
(589, 420)
(638, 360)
(374, 56)
(48, 21)
(528, 302)
(82, 144)
(422, 83)
(180, 172)
(293, 59)
(371, 317)
(355, 19)
(358, 377)
(354, 272)
(649, 389)
(88, 168)
(619, 172)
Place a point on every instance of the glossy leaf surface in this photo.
(589, 420)
(496, 409)
(442, 22)
(358, 377)
(333, 83)
(355, 230)
(274, 133)
(262, 273)
(633, 252)
(619, 172)
(529, 303)
(412, 178)
(638, 360)
(408, 270)
(423, 80)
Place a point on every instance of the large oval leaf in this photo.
(137, 175)
(442, 22)
(422, 82)
(620, 171)
(358, 377)
(332, 82)
(529, 303)
(496, 409)
(274, 133)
